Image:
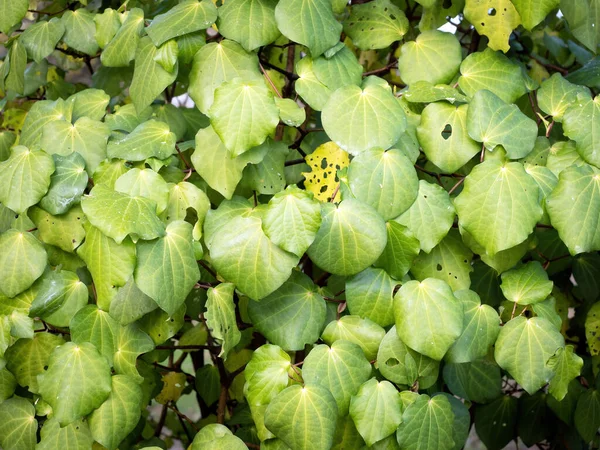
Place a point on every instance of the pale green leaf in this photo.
(425, 92)
(75, 436)
(220, 317)
(39, 115)
(64, 231)
(266, 374)
(533, 12)
(186, 17)
(77, 381)
(40, 39)
(25, 178)
(186, 195)
(427, 423)
(22, 261)
(292, 316)
(289, 112)
(429, 318)
(107, 25)
(478, 381)
(11, 13)
(341, 368)
(566, 365)
(217, 437)
(503, 191)
(314, 92)
(430, 217)
(131, 342)
(67, 184)
(351, 238)
(126, 118)
(120, 51)
(339, 70)
(364, 332)
(80, 31)
(495, 19)
(15, 62)
(359, 119)
(303, 417)
(370, 294)
(400, 250)
(137, 215)
(574, 208)
(97, 327)
(537, 340)
(150, 139)
(376, 25)
(527, 284)
(8, 383)
(144, 183)
(249, 22)
(581, 121)
(18, 425)
(556, 94)
(59, 296)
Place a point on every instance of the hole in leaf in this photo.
(447, 132)
(439, 267)
(324, 163)
(393, 17)
(492, 12)
(392, 362)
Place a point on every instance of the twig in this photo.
(207, 268)
(458, 183)
(290, 75)
(383, 69)
(335, 193)
(161, 421)
(270, 81)
(183, 416)
(186, 347)
(293, 162)
(183, 158)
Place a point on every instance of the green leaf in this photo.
(39, 115)
(107, 25)
(186, 17)
(208, 384)
(74, 436)
(144, 183)
(216, 63)
(480, 329)
(97, 327)
(60, 295)
(339, 70)
(400, 250)
(314, 92)
(16, 62)
(449, 261)
(492, 71)
(369, 294)
(22, 261)
(266, 374)
(427, 423)
(432, 300)
(425, 92)
(341, 368)
(110, 263)
(592, 325)
(41, 38)
(220, 317)
(67, 184)
(431, 215)
(80, 31)
(217, 437)
(303, 417)
(402, 365)
(131, 342)
(566, 365)
(376, 410)
(243, 114)
(359, 119)
(292, 220)
(573, 208)
(478, 381)
(443, 136)
(533, 12)
(556, 95)
(18, 425)
(237, 18)
(65, 231)
(514, 205)
(496, 422)
(308, 22)
(11, 13)
(26, 178)
(537, 340)
(434, 56)
(580, 122)
(364, 332)
(150, 139)
(130, 304)
(289, 112)
(493, 122)
(119, 414)
(138, 217)
(586, 271)
(527, 284)
(351, 238)
(8, 383)
(292, 316)
(120, 51)
(374, 178)
(587, 414)
(582, 17)
(77, 381)
(186, 195)
(242, 254)
(495, 19)
(27, 358)
(375, 26)
(149, 78)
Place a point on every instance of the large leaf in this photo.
(385, 180)
(495, 123)
(220, 317)
(434, 56)
(39, 115)
(503, 412)
(119, 414)
(237, 19)
(18, 425)
(11, 13)
(505, 192)
(443, 136)
(166, 269)
(582, 16)
(77, 381)
(22, 261)
(566, 366)
(74, 436)
(341, 368)
(308, 22)
(400, 250)
(533, 12)
(150, 139)
(25, 178)
(527, 284)
(359, 119)
(478, 381)
(537, 340)
(184, 18)
(303, 417)
(66, 184)
(376, 410)
(242, 254)
(243, 114)
(495, 19)
(292, 316)
(80, 31)
(574, 208)
(376, 25)
(97, 327)
(121, 49)
(427, 423)
(370, 294)
(40, 38)
(556, 94)
(364, 332)
(429, 318)
(581, 121)
(136, 217)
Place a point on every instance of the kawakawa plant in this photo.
(303, 224)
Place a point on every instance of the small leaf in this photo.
(369, 294)
(427, 423)
(495, 19)
(325, 162)
(149, 139)
(312, 90)
(186, 17)
(80, 31)
(76, 436)
(587, 414)
(18, 425)
(566, 366)
(67, 184)
(22, 261)
(218, 437)
(556, 95)
(364, 332)
(130, 343)
(220, 317)
(120, 51)
(375, 26)
(496, 422)
(289, 112)
(533, 12)
(526, 285)
(400, 250)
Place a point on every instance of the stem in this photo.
(269, 80)
(458, 183)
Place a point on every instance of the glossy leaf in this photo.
(526, 285)
(220, 317)
(566, 365)
(236, 20)
(18, 425)
(375, 26)
(427, 423)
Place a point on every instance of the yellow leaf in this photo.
(174, 383)
(324, 162)
(495, 19)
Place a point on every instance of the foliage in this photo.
(302, 224)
